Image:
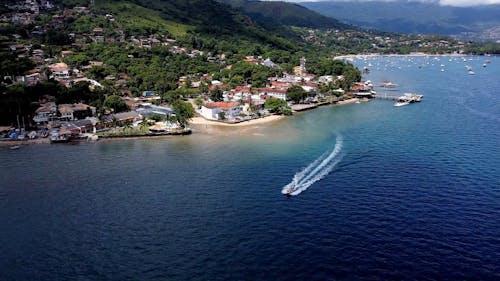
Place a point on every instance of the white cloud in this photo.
(461, 3)
(468, 2)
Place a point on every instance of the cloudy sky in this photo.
(442, 2)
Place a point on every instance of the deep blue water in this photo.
(415, 194)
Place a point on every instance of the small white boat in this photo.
(14, 147)
(401, 103)
(289, 189)
(471, 72)
(388, 84)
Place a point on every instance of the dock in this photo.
(407, 97)
(303, 107)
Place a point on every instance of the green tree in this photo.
(115, 103)
(199, 102)
(278, 106)
(57, 37)
(296, 93)
(183, 112)
(171, 96)
(203, 88)
(216, 95)
(156, 117)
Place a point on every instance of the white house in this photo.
(275, 93)
(212, 110)
(59, 70)
(46, 112)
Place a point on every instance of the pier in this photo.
(407, 97)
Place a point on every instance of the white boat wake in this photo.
(315, 171)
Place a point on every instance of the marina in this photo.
(406, 97)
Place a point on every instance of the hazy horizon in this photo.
(457, 3)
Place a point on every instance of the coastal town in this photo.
(109, 99)
(145, 113)
(249, 140)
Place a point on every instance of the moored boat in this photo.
(388, 84)
(57, 138)
(408, 98)
(401, 103)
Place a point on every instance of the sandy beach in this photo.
(203, 121)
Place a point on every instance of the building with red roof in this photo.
(213, 110)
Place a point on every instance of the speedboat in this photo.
(289, 189)
(14, 147)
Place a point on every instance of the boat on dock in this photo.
(59, 138)
(408, 98)
(388, 84)
(401, 103)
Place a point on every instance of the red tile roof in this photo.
(281, 84)
(271, 90)
(222, 105)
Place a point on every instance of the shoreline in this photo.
(372, 55)
(197, 122)
(10, 142)
(202, 121)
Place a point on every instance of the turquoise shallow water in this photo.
(415, 194)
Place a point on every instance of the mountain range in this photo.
(271, 13)
(475, 22)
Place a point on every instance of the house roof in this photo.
(218, 86)
(242, 89)
(64, 108)
(358, 87)
(60, 66)
(273, 91)
(123, 116)
(47, 107)
(221, 105)
(278, 84)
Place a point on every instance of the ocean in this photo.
(384, 192)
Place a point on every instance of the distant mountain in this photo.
(271, 13)
(413, 17)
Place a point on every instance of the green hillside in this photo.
(215, 25)
(134, 16)
(282, 13)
